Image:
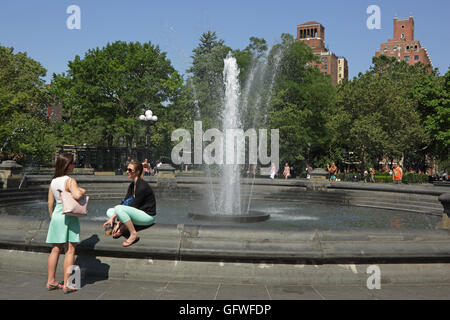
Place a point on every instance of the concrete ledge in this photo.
(208, 243)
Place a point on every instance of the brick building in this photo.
(403, 46)
(342, 69)
(312, 33)
(54, 112)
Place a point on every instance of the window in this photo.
(416, 58)
(403, 36)
(406, 58)
(324, 59)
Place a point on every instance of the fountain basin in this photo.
(250, 217)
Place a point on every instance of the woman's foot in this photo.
(54, 285)
(118, 231)
(69, 290)
(131, 240)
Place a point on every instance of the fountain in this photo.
(227, 204)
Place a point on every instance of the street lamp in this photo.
(148, 118)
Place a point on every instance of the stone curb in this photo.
(209, 243)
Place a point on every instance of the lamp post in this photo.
(148, 118)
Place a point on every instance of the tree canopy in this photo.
(24, 130)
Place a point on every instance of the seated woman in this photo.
(139, 209)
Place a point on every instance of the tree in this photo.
(24, 129)
(207, 77)
(302, 103)
(376, 113)
(433, 95)
(105, 92)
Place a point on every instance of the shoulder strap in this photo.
(70, 179)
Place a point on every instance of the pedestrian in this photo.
(309, 169)
(333, 170)
(147, 167)
(64, 230)
(397, 174)
(372, 175)
(137, 209)
(158, 165)
(287, 171)
(273, 171)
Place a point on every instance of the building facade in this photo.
(312, 34)
(342, 69)
(403, 45)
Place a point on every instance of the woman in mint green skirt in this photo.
(64, 230)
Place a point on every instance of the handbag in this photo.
(128, 201)
(72, 207)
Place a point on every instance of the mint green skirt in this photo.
(63, 228)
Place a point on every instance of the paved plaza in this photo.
(31, 286)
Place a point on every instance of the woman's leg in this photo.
(53, 262)
(130, 216)
(69, 261)
(110, 213)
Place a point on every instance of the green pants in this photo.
(127, 213)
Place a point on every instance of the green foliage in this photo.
(24, 130)
(302, 103)
(414, 178)
(377, 113)
(433, 95)
(206, 79)
(105, 92)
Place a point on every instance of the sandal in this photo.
(128, 244)
(118, 233)
(55, 286)
(69, 290)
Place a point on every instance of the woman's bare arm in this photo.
(50, 202)
(77, 192)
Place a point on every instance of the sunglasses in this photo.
(130, 170)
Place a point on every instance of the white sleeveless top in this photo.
(58, 184)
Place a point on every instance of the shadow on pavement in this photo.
(92, 269)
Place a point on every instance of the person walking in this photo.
(137, 209)
(372, 175)
(287, 171)
(397, 174)
(64, 230)
(273, 171)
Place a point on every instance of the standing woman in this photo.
(140, 209)
(64, 230)
(287, 171)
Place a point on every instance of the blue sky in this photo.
(39, 27)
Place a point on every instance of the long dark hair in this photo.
(63, 161)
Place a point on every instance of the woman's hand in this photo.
(116, 229)
(109, 222)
